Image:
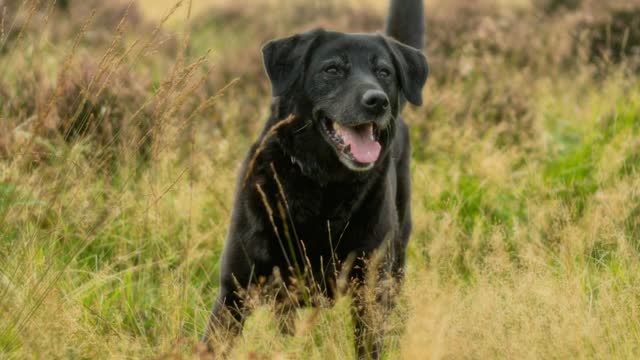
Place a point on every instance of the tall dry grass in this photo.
(121, 132)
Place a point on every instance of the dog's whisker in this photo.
(303, 127)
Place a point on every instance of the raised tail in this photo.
(405, 22)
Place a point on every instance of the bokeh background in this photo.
(122, 127)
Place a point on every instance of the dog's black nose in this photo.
(375, 101)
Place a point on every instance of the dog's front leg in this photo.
(368, 336)
(373, 300)
(370, 310)
(225, 322)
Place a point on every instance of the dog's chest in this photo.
(326, 218)
(322, 204)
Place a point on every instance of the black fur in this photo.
(406, 22)
(299, 207)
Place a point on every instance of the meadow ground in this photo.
(122, 128)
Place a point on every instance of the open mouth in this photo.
(357, 146)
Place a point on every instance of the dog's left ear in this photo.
(412, 68)
(284, 59)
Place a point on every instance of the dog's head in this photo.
(349, 89)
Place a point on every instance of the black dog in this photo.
(328, 179)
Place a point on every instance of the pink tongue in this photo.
(363, 147)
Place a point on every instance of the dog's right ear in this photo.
(285, 59)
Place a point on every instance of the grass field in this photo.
(122, 128)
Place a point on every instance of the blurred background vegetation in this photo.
(123, 124)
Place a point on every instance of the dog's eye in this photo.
(383, 73)
(332, 70)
